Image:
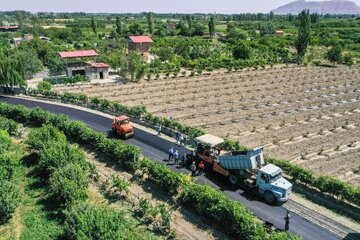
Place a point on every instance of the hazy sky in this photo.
(135, 6)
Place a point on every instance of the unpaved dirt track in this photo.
(156, 148)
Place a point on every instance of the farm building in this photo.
(91, 69)
(141, 44)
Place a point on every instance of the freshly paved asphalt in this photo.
(156, 148)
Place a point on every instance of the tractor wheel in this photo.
(113, 129)
(269, 197)
(233, 179)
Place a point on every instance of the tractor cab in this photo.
(122, 126)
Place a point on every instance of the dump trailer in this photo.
(247, 168)
(121, 126)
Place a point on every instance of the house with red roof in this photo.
(77, 65)
(141, 44)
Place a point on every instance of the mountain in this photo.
(323, 7)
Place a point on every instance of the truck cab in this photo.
(121, 126)
(271, 185)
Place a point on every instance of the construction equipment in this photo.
(242, 167)
(122, 127)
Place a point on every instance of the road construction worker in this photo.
(201, 168)
(159, 130)
(287, 220)
(176, 156)
(171, 154)
(193, 169)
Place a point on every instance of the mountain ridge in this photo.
(323, 7)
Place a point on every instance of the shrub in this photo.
(161, 174)
(68, 185)
(8, 166)
(120, 185)
(58, 155)
(88, 222)
(9, 200)
(5, 141)
(40, 138)
(8, 125)
(68, 80)
(44, 86)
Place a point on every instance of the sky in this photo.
(136, 6)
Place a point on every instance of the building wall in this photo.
(141, 47)
(90, 72)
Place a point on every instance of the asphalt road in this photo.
(156, 148)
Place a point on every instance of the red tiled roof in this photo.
(99, 64)
(141, 39)
(76, 54)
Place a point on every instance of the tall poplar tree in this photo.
(189, 19)
(119, 27)
(93, 25)
(304, 35)
(212, 26)
(150, 23)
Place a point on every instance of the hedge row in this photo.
(231, 216)
(10, 195)
(62, 166)
(325, 184)
(139, 112)
(214, 202)
(68, 80)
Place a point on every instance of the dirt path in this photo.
(186, 224)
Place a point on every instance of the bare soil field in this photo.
(308, 115)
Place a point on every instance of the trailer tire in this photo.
(233, 179)
(269, 197)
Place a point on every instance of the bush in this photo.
(8, 125)
(44, 86)
(58, 155)
(42, 137)
(9, 200)
(68, 185)
(231, 145)
(5, 141)
(161, 174)
(88, 222)
(8, 166)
